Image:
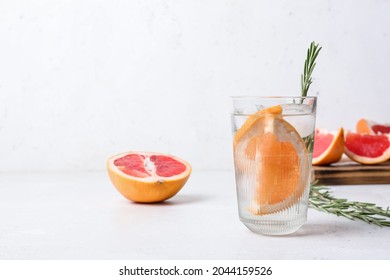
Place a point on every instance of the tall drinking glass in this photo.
(273, 141)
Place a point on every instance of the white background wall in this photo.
(83, 80)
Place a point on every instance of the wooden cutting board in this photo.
(347, 172)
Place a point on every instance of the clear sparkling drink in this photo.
(273, 144)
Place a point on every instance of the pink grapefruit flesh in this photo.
(367, 148)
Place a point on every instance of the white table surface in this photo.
(81, 216)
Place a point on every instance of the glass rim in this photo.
(272, 97)
(240, 104)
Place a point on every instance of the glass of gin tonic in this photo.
(273, 141)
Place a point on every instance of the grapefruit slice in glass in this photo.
(328, 146)
(367, 148)
(147, 177)
(371, 127)
(270, 147)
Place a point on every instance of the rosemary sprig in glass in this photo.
(322, 200)
(320, 197)
(310, 63)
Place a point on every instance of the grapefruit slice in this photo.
(274, 110)
(328, 146)
(367, 148)
(371, 127)
(269, 148)
(147, 177)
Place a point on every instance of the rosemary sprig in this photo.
(320, 197)
(322, 200)
(310, 63)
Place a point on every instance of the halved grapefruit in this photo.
(270, 149)
(367, 148)
(147, 177)
(328, 146)
(372, 127)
